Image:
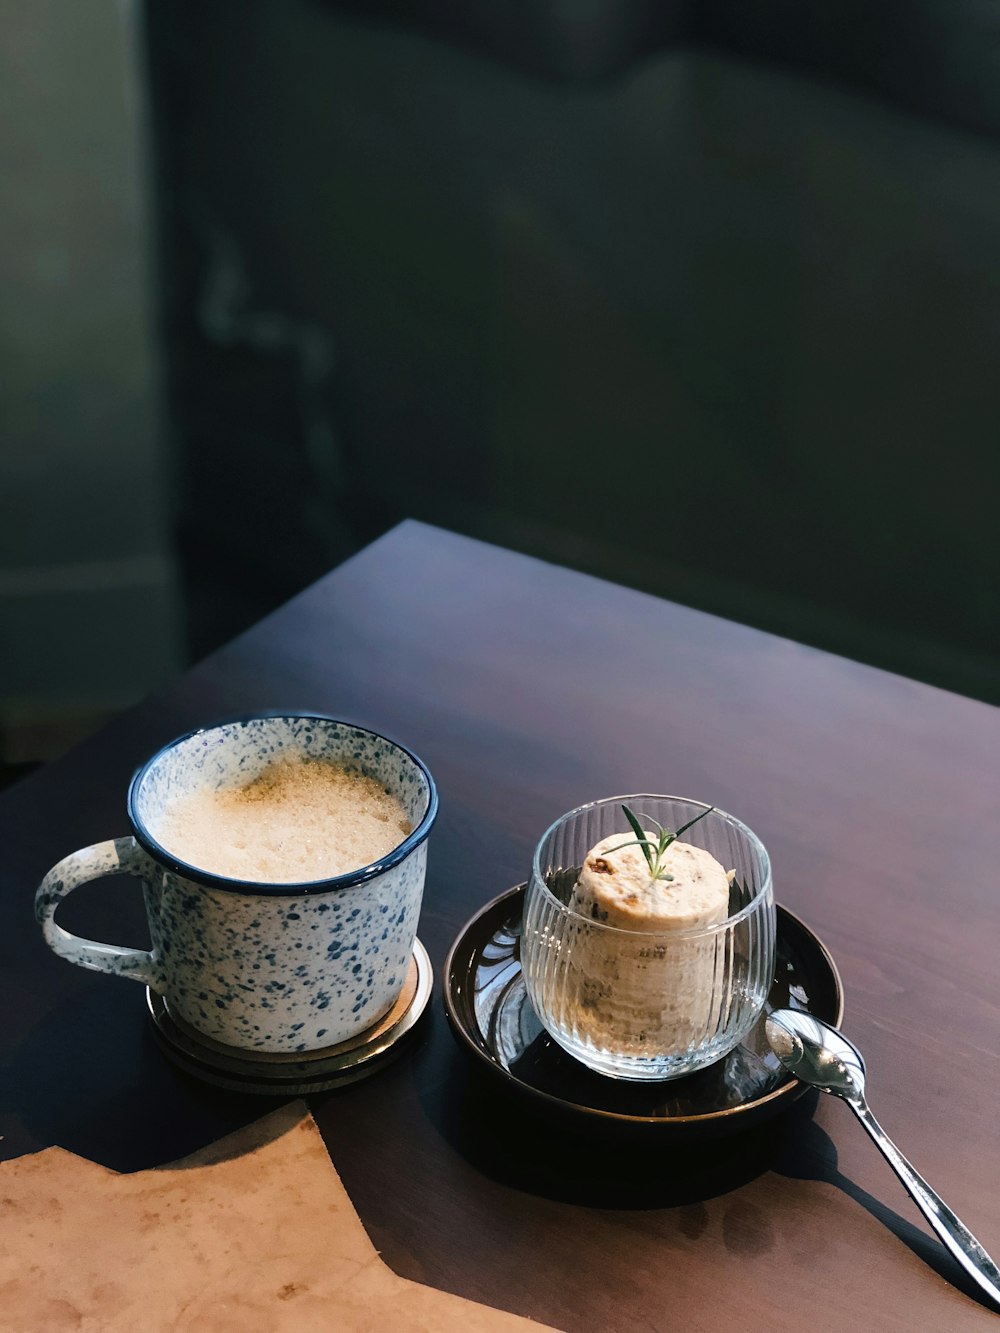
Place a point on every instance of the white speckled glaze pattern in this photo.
(278, 968)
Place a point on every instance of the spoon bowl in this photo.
(816, 1053)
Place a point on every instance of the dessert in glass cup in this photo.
(647, 954)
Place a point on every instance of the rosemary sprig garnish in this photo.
(654, 851)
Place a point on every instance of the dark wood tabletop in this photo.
(528, 690)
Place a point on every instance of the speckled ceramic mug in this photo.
(279, 967)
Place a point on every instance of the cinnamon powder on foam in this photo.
(298, 820)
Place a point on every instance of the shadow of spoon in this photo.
(806, 1152)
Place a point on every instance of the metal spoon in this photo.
(820, 1055)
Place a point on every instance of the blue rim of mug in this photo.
(280, 889)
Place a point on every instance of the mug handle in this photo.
(119, 856)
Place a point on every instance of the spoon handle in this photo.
(957, 1237)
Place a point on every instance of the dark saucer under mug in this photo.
(298, 1074)
(491, 1017)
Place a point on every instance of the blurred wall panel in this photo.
(716, 316)
(88, 613)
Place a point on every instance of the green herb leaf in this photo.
(632, 842)
(654, 851)
(691, 822)
(640, 834)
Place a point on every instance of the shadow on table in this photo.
(91, 1079)
(502, 1136)
(804, 1151)
(600, 1165)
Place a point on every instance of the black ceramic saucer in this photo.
(492, 1018)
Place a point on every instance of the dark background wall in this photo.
(88, 588)
(700, 297)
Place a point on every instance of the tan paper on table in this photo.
(255, 1232)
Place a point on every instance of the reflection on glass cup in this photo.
(645, 1004)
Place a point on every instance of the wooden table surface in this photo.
(528, 690)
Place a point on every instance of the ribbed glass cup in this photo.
(636, 1004)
